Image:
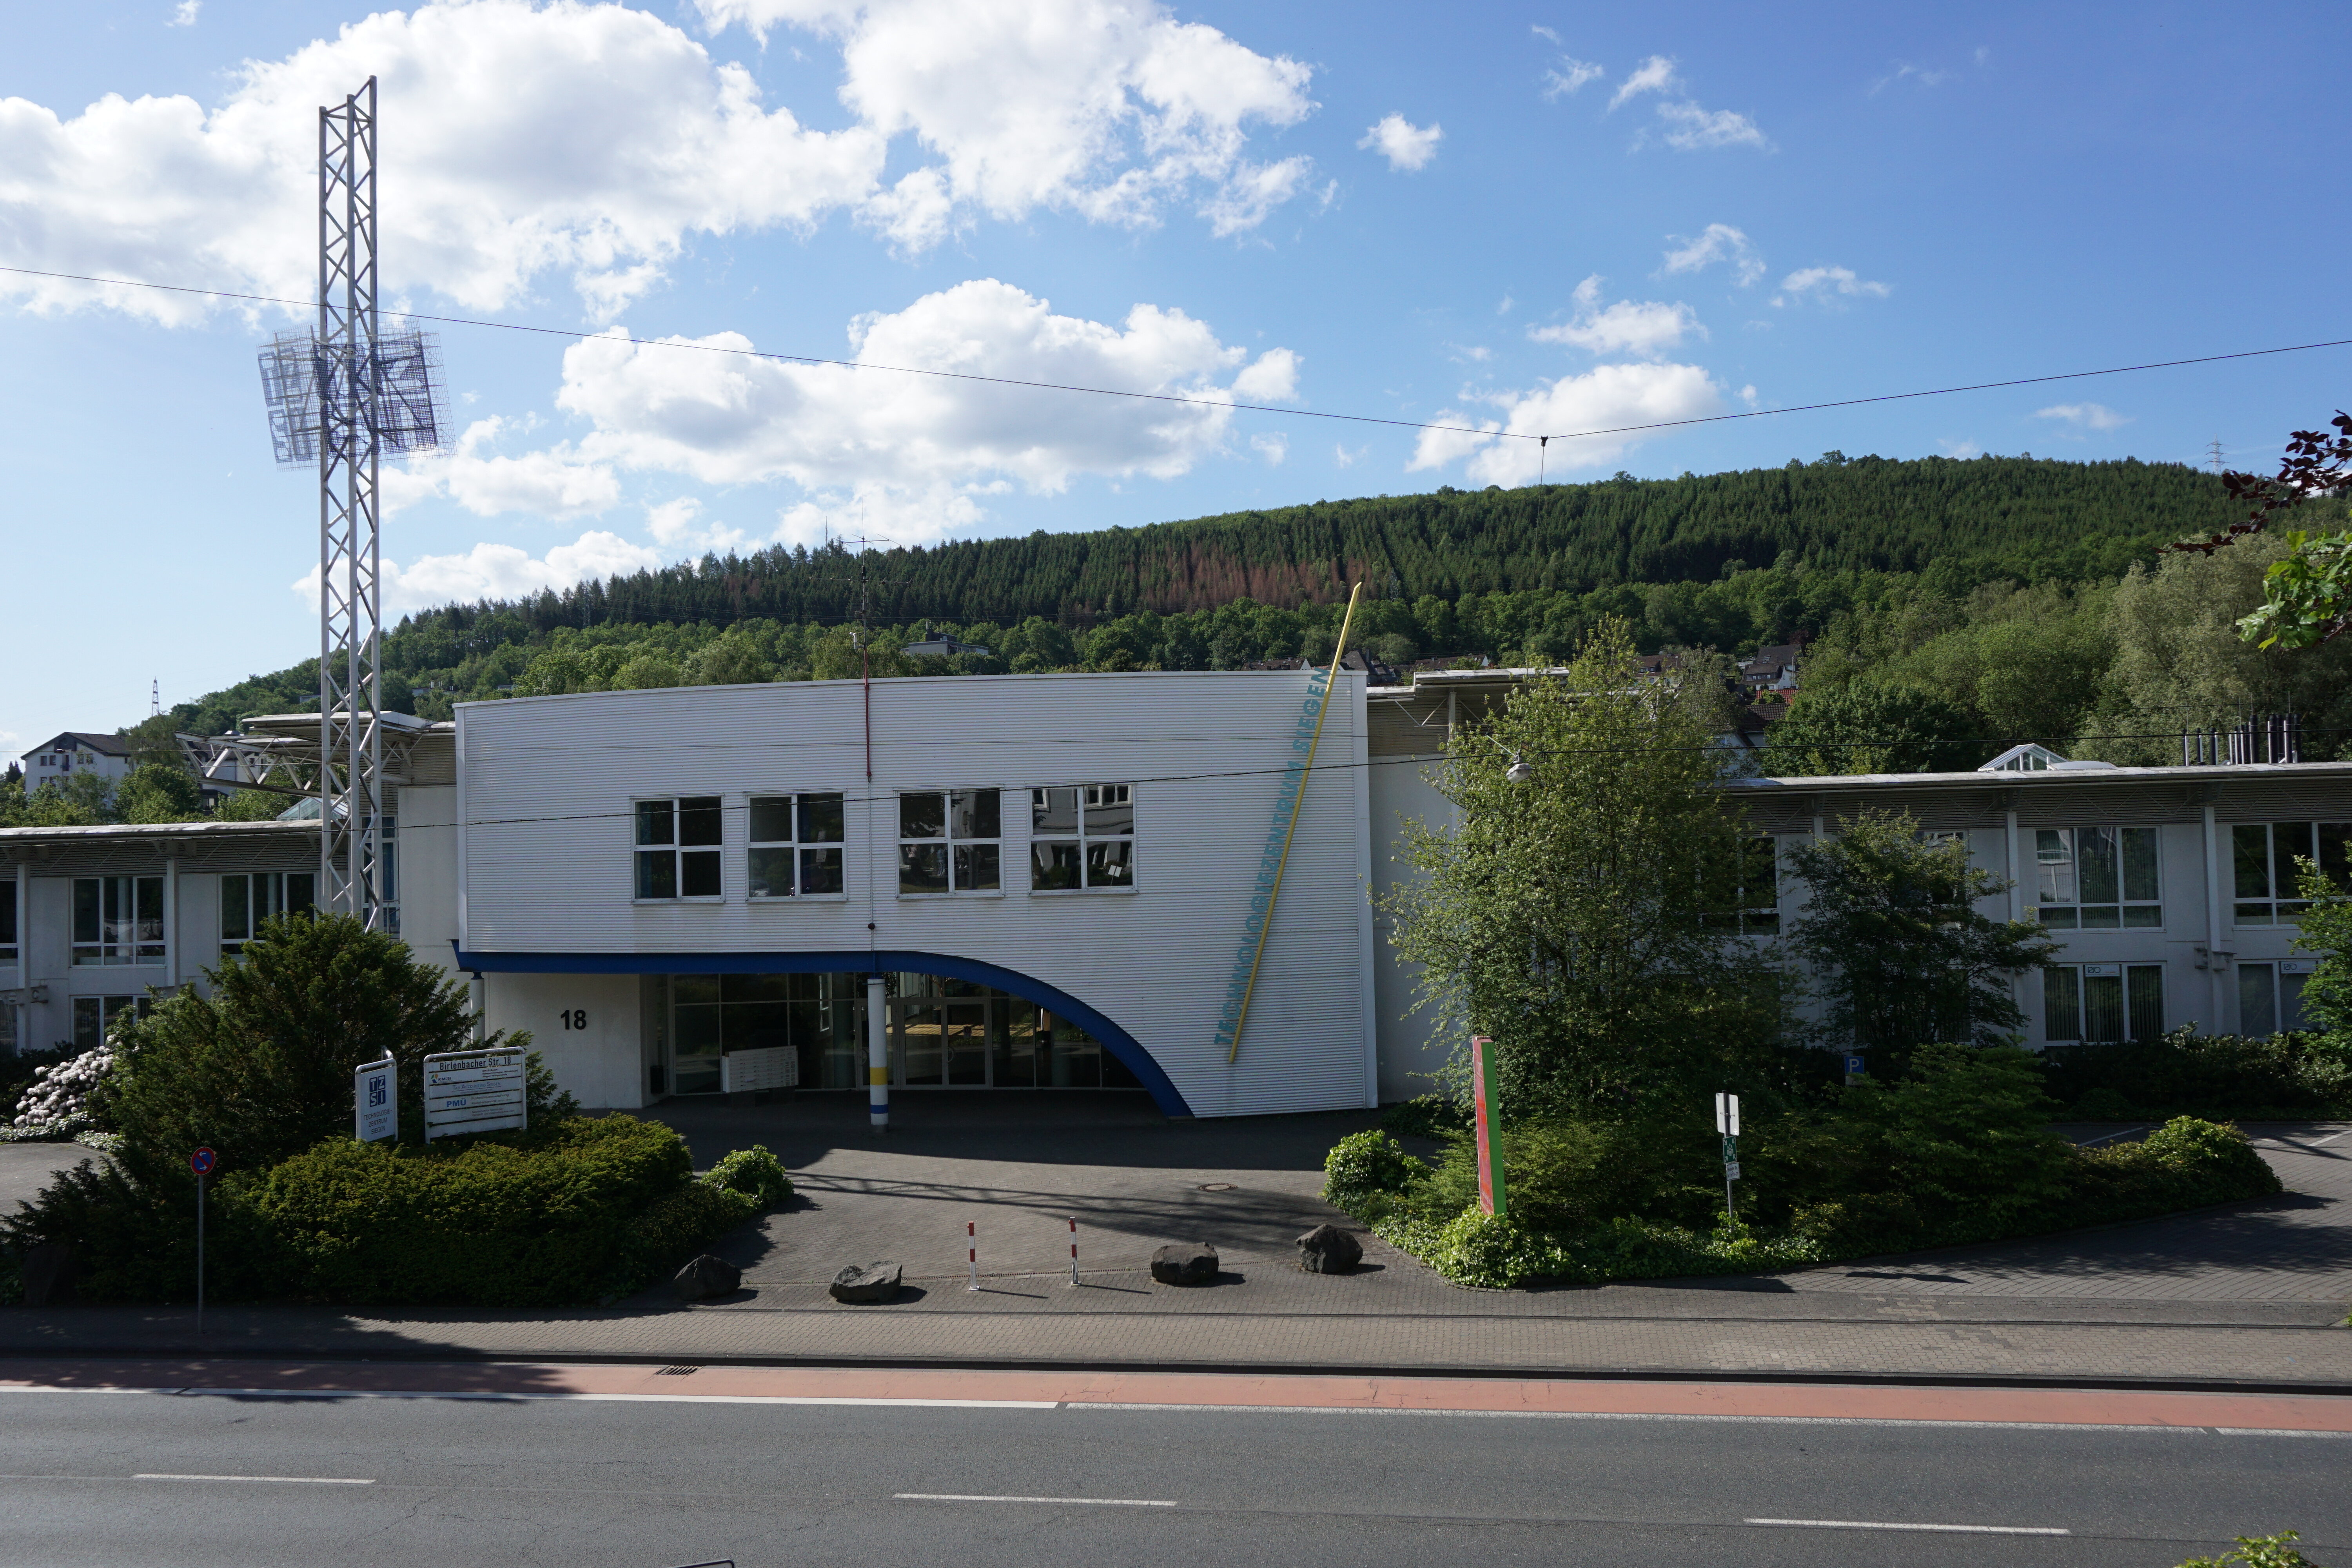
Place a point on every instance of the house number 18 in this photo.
(574, 1017)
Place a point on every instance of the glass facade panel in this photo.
(2062, 1004)
(948, 841)
(118, 920)
(2097, 879)
(2102, 1003)
(2257, 999)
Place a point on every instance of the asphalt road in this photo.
(132, 1479)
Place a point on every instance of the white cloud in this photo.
(1690, 129)
(184, 14)
(1655, 74)
(1405, 145)
(498, 572)
(2086, 415)
(1105, 108)
(1570, 74)
(1720, 242)
(1273, 446)
(1344, 457)
(553, 482)
(906, 454)
(516, 141)
(595, 142)
(1827, 283)
(1540, 31)
(1272, 377)
(1254, 190)
(1962, 449)
(1646, 329)
(1608, 396)
(673, 524)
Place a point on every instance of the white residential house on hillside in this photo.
(1056, 882)
(71, 752)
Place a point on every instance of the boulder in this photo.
(1327, 1250)
(706, 1277)
(865, 1282)
(49, 1271)
(1185, 1263)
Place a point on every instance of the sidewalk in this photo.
(2250, 1294)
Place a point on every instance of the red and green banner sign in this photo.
(1490, 1134)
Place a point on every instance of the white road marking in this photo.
(281, 1480)
(1085, 1501)
(1936, 1529)
(492, 1397)
(1894, 1421)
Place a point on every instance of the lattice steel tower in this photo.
(342, 397)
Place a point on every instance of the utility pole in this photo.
(2213, 454)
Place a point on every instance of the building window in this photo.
(1082, 836)
(677, 849)
(8, 925)
(2262, 857)
(247, 899)
(94, 1016)
(2270, 996)
(1745, 897)
(795, 846)
(949, 841)
(2096, 878)
(118, 920)
(2100, 1003)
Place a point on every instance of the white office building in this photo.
(1061, 881)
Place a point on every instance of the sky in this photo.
(1512, 218)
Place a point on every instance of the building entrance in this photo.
(941, 1033)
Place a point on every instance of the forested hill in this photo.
(1970, 521)
(1728, 560)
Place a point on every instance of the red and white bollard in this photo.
(973, 1235)
(1074, 1250)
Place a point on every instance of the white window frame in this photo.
(103, 1011)
(106, 947)
(644, 852)
(2280, 982)
(274, 891)
(2083, 974)
(1087, 803)
(963, 854)
(2073, 910)
(2279, 905)
(797, 849)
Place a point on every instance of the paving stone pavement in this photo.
(26, 1168)
(2247, 1293)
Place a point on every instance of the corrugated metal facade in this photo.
(547, 785)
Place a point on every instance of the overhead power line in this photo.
(1537, 437)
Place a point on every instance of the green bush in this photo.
(1425, 1116)
(2243, 1078)
(1566, 1173)
(755, 1173)
(1365, 1170)
(588, 1212)
(2258, 1551)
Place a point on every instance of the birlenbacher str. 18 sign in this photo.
(473, 1091)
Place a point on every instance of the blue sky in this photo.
(1529, 218)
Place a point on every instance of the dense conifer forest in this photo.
(1937, 574)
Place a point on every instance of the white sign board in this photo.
(770, 1067)
(375, 1101)
(473, 1091)
(1726, 1114)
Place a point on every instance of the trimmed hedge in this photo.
(590, 1211)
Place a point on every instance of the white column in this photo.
(2215, 966)
(878, 1053)
(170, 921)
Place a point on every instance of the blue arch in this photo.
(1115, 1040)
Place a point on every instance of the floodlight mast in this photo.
(351, 865)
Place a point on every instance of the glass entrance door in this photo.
(940, 1044)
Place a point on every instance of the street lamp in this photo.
(1520, 772)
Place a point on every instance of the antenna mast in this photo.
(342, 396)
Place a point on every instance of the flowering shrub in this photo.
(56, 1108)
